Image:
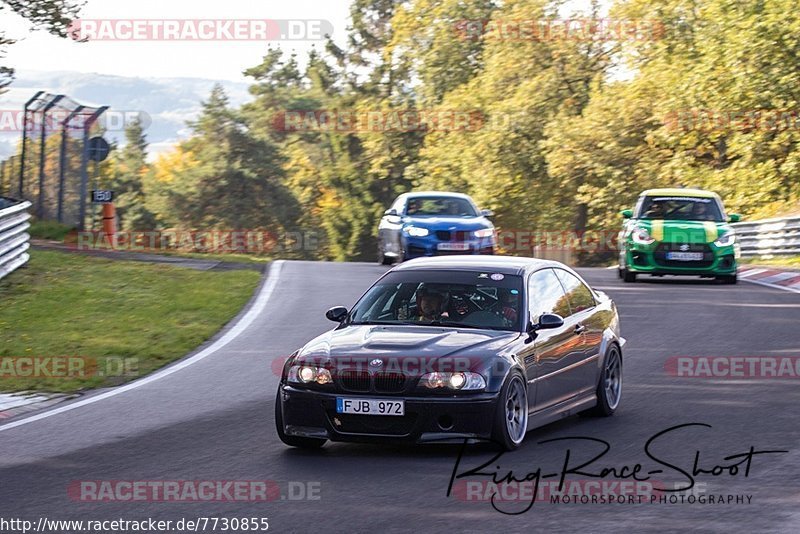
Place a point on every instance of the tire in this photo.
(293, 441)
(608, 398)
(382, 259)
(509, 430)
(728, 279)
(628, 276)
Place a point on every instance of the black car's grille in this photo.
(660, 255)
(354, 381)
(362, 381)
(390, 382)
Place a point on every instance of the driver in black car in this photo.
(431, 305)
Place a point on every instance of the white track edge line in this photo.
(241, 325)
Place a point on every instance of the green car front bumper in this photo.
(655, 259)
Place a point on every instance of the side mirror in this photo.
(734, 217)
(336, 314)
(391, 212)
(627, 214)
(546, 322)
(487, 213)
(550, 320)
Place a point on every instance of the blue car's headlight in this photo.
(416, 231)
(727, 239)
(483, 234)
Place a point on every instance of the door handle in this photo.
(580, 328)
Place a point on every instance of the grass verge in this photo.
(129, 317)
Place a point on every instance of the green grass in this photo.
(50, 230)
(774, 261)
(71, 305)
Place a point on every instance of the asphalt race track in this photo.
(213, 420)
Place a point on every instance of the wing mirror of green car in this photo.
(627, 214)
(734, 217)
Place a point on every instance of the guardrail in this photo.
(769, 237)
(14, 235)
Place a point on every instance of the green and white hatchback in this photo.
(678, 232)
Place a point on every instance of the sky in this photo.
(221, 60)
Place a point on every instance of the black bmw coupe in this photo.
(453, 348)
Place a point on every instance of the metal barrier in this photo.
(769, 237)
(13, 234)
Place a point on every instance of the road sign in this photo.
(98, 148)
(102, 196)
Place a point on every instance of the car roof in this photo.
(436, 194)
(495, 264)
(679, 192)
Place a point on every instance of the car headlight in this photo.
(483, 234)
(306, 374)
(460, 381)
(642, 236)
(416, 231)
(727, 239)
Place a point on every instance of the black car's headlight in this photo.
(307, 374)
(465, 381)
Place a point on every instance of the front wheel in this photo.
(609, 389)
(293, 441)
(511, 418)
(628, 276)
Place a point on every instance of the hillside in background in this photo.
(169, 102)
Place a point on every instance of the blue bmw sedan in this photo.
(433, 223)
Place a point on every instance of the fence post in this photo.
(63, 162)
(24, 141)
(42, 139)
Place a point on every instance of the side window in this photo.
(580, 296)
(546, 295)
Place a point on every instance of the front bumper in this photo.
(308, 413)
(417, 247)
(651, 259)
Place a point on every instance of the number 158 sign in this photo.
(101, 196)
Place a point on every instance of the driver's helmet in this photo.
(428, 292)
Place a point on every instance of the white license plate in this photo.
(453, 246)
(685, 256)
(370, 406)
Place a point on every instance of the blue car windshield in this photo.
(440, 207)
(459, 299)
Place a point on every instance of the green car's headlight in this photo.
(642, 237)
(727, 239)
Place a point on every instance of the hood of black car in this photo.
(403, 345)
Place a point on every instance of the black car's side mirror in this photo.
(336, 314)
(547, 321)
(550, 320)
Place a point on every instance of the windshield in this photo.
(461, 299)
(440, 207)
(680, 208)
